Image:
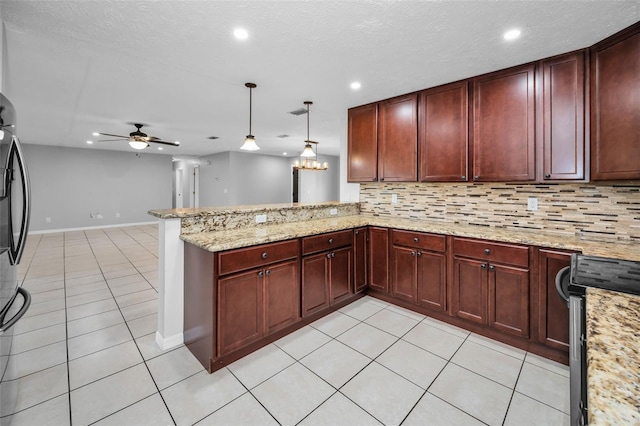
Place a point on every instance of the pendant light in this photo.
(250, 140)
(308, 153)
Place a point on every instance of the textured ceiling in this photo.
(75, 67)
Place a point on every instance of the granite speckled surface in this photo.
(613, 357)
(265, 233)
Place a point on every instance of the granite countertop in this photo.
(237, 238)
(212, 211)
(613, 357)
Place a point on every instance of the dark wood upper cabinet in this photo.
(504, 126)
(561, 118)
(443, 134)
(398, 139)
(615, 106)
(362, 147)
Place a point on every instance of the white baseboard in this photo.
(165, 343)
(86, 228)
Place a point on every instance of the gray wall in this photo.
(317, 186)
(69, 184)
(238, 178)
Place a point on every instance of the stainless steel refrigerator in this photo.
(14, 225)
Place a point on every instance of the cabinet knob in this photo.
(483, 266)
(333, 255)
(413, 253)
(463, 177)
(356, 232)
(261, 274)
(330, 240)
(487, 251)
(268, 272)
(415, 239)
(492, 268)
(328, 255)
(547, 176)
(419, 253)
(264, 255)
(476, 178)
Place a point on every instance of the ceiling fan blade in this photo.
(110, 140)
(163, 142)
(115, 136)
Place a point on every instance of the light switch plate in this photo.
(333, 212)
(394, 198)
(532, 203)
(261, 218)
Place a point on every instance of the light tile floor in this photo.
(85, 354)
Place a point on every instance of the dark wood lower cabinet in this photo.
(469, 298)
(404, 273)
(379, 259)
(340, 273)
(553, 318)
(360, 256)
(315, 286)
(282, 296)
(509, 299)
(432, 283)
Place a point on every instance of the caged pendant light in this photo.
(250, 140)
(308, 153)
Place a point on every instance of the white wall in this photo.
(348, 191)
(70, 184)
(215, 180)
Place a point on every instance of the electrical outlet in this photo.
(532, 203)
(47, 219)
(333, 212)
(394, 198)
(261, 218)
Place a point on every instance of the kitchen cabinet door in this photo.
(432, 284)
(504, 126)
(615, 106)
(282, 295)
(509, 299)
(360, 237)
(562, 117)
(553, 317)
(240, 310)
(398, 139)
(469, 298)
(315, 283)
(379, 259)
(362, 146)
(404, 273)
(443, 133)
(341, 273)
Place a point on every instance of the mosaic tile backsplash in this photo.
(590, 211)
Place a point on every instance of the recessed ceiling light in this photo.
(96, 134)
(160, 148)
(240, 34)
(512, 34)
(356, 85)
(284, 153)
(90, 142)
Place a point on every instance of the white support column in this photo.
(170, 284)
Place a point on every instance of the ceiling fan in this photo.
(137, 139)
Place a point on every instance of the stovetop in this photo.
(601, 272)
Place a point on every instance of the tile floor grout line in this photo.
(506, 413)
(248, 391)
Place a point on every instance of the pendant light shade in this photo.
(250, 141)
(308, 153)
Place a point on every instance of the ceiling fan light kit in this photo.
(250, 141)
(308, 152)
(137, 139)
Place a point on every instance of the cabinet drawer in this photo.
(327, 241)
(492, 252)
(418, 240)
(251, 257)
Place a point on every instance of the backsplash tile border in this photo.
(590, 211)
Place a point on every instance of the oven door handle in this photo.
(560, 276)
(25, 306)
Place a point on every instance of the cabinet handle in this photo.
(476, 178)
(261, 274)
(333, 255)
(264, 255)
(330, 240)
(463, 177)
(268, 272)
(487, 251)
(415, 239)
(483, 266)
(547, 176)
(419, 253)
(492, 268)
(413, 253)
(356, 232)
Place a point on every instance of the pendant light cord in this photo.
(250, 108)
